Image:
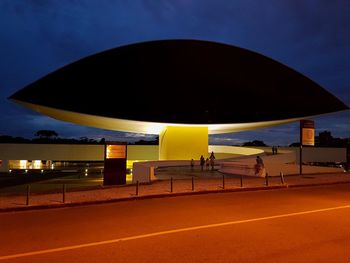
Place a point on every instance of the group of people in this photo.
(210, 161)
(259, 166)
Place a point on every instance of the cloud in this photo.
(226, 139)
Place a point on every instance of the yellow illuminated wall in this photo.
(183, 143)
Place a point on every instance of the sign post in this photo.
(115, 163)
(307, 137)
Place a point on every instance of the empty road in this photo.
(310, 224)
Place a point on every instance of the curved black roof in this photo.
(181, 81)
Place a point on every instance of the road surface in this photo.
(310, 224)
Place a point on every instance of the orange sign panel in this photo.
(308, 135)
(307, 132)
(115, 151)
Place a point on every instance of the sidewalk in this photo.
(162, 188)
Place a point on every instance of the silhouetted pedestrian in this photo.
(202, 162)
(212, 162)
(207, 164)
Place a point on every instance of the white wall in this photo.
(68, 152)
(313, 154)
(64, 152)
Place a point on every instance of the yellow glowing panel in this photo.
(183, 143)
(115, 151)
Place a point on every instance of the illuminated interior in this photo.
(25, 164)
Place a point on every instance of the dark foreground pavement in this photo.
(308, 224)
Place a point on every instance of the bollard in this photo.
(282, 178)
(267, 179)
(63, 193)
(137, 187)
(28, 194)
(223, 181)
(171, 185)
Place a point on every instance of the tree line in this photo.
(51, 136)
(324, 139)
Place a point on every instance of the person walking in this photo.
(192, 165)
(212, 158)
(202, 162)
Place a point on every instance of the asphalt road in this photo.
(289, 225)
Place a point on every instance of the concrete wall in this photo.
(62, 152)
(68, 152)
(312, 154)
(77, 152)
(143, 152)
(223, 152)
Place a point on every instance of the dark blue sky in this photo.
(40, 36)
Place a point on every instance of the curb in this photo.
(132, 198)
(318, 184)
(164, 195)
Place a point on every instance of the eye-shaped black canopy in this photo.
(181, 81)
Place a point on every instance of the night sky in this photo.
(40, 36)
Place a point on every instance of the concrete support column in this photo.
(183, 143)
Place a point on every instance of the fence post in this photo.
(282, 177)
(267, 179)
(28, 194)
(137, 187)
(241, 180)
(192, 183)
(171, 184)
(223, 181)
(63, 193)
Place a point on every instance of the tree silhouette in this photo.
(254, 143)
(47, 134)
